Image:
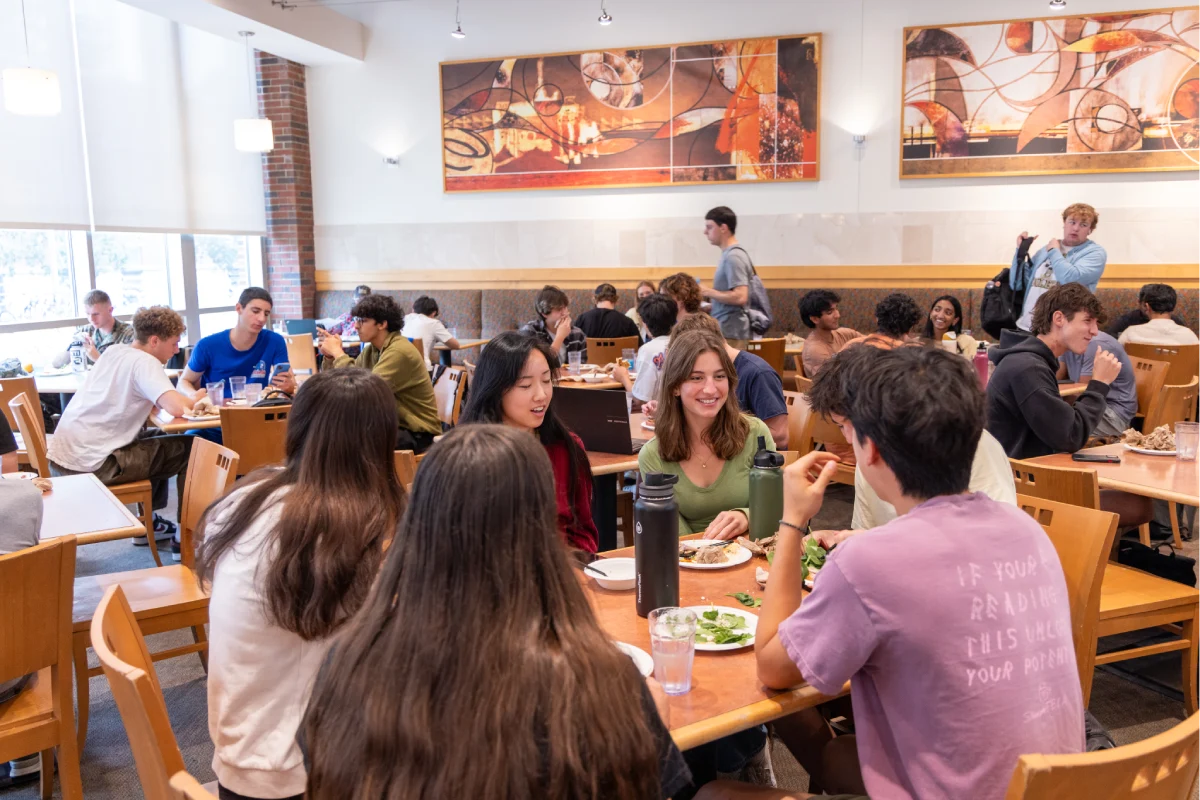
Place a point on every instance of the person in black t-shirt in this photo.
(604, 321)
(8, 447)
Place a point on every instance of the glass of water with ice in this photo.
(673, 645)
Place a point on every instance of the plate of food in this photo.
(641, 659)
(648, 424)
(711, 554)
(42, 483)
(721, 628)
(1159, 442)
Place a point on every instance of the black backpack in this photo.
(1001, 305)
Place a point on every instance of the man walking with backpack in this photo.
(734, 282)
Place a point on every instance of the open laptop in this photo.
(599, 417)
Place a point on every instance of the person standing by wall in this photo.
(1073, 259)
(730, 292)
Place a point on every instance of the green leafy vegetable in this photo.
(749, 601)
(718, 628)
(710, 615)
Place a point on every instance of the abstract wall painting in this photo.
(744, 111)
(1101, 93)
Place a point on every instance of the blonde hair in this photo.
(157, 321)
(1084, 213)
(697, 322)
(728, 431)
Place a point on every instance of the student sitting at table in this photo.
(684, 290)
(657, 313)
(553, 324)
(1158, 323)
(604, 321)
(644, 290)
(392, 357)
(1121, 404)
(1026, 412)
(514, 385)
(945, 316)
(249, 349)
(478, 656)
(290, 556)
(345, 323)
(423, 324)
(103, 431)
(819, 311)
(102, 331)
(895, 317)
(951, 677)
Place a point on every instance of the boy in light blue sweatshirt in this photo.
(1072, 259)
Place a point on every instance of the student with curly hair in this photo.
(895, 317)
(684, 290)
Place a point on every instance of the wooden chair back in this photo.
(418, 343)
(448, 393)
(1162, 767)
(301, 353)
(257, 435)
(1183, 359)
(1076, 487)
(790, 457)
(17, 387)
(36, 593)
(1174, 404)
(606, 351)
(798, 413)
(1150, 376)
(34, 436)
(803, 384)
(119, 645)
(211, 471)
(185, 787)
(770, 351)
(1082, 537)
(406, 467)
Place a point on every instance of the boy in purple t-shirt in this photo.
(951, 622)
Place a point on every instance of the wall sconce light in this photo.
(860, 139)
(391, 162)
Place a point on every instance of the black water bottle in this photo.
(656, 542)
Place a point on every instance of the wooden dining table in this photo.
(1157, 477)
(181, 424)
(83, 506)
(445, 354)
(726, 695)
(72, 382)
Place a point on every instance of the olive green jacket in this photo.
(403, 368)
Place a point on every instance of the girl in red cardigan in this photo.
(514, 385)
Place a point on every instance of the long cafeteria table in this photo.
(82, 506)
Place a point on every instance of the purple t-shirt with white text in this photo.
(953, 625)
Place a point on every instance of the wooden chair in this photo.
(35, 593)
(301, 353)
(185, 787)
(790, 457)
(806, 430)
(139, 493)
(448, 392)
(418, 343)
(606, 351)
(1149, 376)
(1183, 359)
(1078, 487)
(406, 468)
(257, 435)
(803, 384)
(769, 350)
(127, 664)
(11, 388)
(165, 598)
(1174, 404)
(1162, 767)
(1082, 537)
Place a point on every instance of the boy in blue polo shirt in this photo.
(249, 349)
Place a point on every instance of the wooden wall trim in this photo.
(899, 276)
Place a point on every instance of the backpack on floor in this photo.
(1170, 565)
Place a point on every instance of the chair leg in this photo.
(1144, 534)
(1174, 511)
(200, 637)
(46, 777)
(79, 643)
(69, 777)
(147, 518)
(1189, 664)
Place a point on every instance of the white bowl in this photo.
(620, 572)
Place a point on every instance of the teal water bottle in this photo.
(766, 491)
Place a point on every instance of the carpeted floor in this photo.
(1130, 711)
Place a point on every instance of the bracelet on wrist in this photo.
(807, 529)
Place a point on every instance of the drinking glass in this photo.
(453, 332)
(673, 646)
(574, 362)
(216, 392)
(253, 392)
(1187, 437)
(237, 387)
(629, 355)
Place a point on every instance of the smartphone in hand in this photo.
(283, 366)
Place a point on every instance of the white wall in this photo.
(372, 217)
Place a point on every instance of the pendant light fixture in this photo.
(1058, 6)
(457, 33)
(253, 134)
(605, 17)
(31, 92)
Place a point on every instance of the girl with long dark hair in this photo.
(476, 668)
(946, 316)
(290, 555)
(514, 385)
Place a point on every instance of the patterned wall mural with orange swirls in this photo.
(1101, 93)
(740, 111)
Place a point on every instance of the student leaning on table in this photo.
(951, 622)
(657, 314)
(392, 357)
(290, 556)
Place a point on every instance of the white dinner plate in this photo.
(751, 625)
(648, 425)
(738, 556)
(641, 659)
(1146, 452)
(19, 476)
(196, 418)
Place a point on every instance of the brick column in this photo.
(289, 259)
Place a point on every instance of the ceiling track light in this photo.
(457, 33)
(605, 18)
(1058, 5)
